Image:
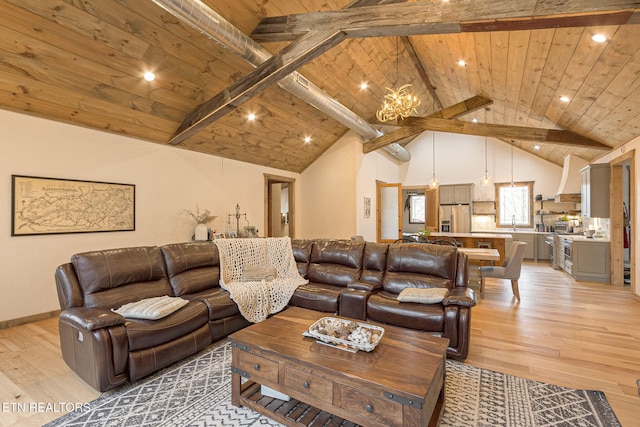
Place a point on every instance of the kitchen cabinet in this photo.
(460, 194)
(594, 190)
(529, 239)
(543, 251)
(590, 261)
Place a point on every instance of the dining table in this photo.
(481, 254)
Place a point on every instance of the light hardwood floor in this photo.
(574, 334)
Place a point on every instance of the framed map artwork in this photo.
(55, 206)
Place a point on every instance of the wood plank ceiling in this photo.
(82, 61)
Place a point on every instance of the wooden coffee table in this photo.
(400, 383)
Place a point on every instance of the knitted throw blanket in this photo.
(258, 299)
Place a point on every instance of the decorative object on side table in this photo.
(201, 219)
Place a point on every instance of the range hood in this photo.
(569, 190)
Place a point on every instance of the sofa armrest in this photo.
(364, 286)
(353, 303)
(464, 297)
(91, 318)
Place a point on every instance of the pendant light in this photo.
(434, 182)
(485, 179)
(512, 183)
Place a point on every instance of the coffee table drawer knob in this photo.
(369, 408)
(305, 384)
(256, 367)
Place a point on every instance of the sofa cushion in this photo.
(111, 278)
(335, 262)
(423, 296)
(420, 265)
(302, 253)
(218, 302)
(342, 252)
(385, 308)
(151, 308)
(192, 267)
(374, 262)
(257, 273)
(317, 296)
(149, 333)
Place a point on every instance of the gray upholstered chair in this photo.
(510, 268)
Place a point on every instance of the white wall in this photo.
(167, 180)
(460, 160)
(328, 191)
(372, 167)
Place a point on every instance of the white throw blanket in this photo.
(258, 299)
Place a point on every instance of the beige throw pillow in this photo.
(256, 273)
(424, 296)
(151, 308)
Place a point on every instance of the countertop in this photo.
(475, 234)
(582, 238)
(514, 232)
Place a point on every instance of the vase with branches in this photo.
(201, 219)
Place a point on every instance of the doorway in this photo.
(623, 220)
(279, 206)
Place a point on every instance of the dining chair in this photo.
(510, 268)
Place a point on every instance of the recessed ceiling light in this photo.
(536, 147)
(251, 117)
(599, 38)
(565, 99)
(462, 63)
(474, 120)
(363, 85)
(307, 139)
(149, 76)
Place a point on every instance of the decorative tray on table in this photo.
(346, 333)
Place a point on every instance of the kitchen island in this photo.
(498, 241)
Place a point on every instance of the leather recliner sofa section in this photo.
(384, 271)
(107, 350)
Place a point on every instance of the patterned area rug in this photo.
(197, 392)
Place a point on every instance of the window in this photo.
(514, 204)
(416, 209)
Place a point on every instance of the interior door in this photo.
(389, 212)
(431, 211)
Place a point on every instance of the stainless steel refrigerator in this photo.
(455, 218)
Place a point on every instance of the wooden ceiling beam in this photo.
(415, 125)
(277, 67)
(421, 71)
(452, 112)
(428, 17)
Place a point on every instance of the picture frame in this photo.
(367, 207)
(42, 205)
(250, 231)
(218, 236)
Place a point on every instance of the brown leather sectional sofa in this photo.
(355, 279)
(363, 280)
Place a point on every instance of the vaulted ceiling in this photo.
(82, 61)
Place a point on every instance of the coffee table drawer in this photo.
(258, 367)
(316, 387)
(375, 408)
